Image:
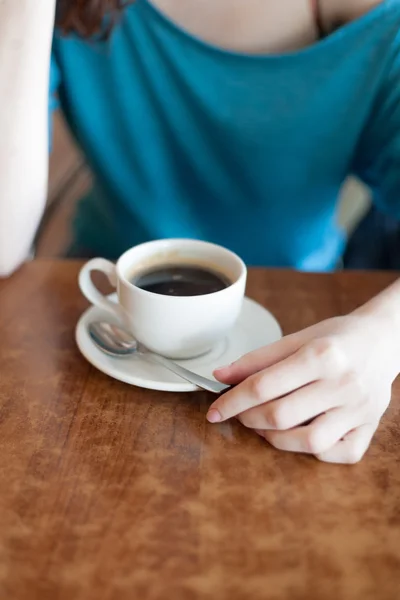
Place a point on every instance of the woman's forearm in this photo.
(26, 28)
(384, 309)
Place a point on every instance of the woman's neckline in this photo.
(345, 29)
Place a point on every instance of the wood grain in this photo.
(110, 492)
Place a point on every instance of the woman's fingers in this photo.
(352, 447)
(258, 360)
(291, 411)
(317, 438)
(299, 369)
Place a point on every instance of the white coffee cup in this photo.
(174, 326)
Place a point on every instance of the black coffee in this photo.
(180, 280)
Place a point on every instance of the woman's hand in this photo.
(321, 391)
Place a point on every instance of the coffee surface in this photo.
(180, 280)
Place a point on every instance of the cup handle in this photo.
(90, 291)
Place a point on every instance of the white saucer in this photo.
(256, 327)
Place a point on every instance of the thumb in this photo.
(259, 359)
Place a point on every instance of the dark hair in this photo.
(88, 17)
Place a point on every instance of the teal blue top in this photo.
(188, 140)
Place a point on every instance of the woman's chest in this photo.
(253, 26)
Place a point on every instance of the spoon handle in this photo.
(202, 382)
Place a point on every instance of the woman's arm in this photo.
(26, 29)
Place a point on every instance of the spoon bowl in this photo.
(119, 343)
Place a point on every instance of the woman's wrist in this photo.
(381, 318)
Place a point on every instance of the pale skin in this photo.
(25, 44)
(321, 391)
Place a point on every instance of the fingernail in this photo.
(224, 368)
(259, 432)
(214, 416)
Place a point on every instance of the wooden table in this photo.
(113, 493)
